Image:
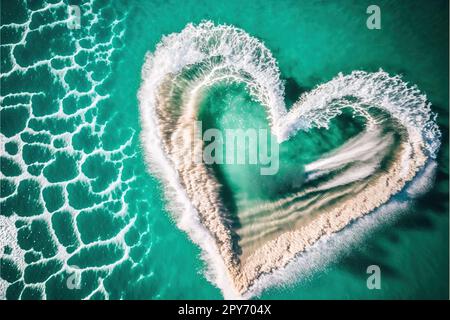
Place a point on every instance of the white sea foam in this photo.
(103, 51)
(226, 53)
(329, 249)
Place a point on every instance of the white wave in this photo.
(231, 54)
(328, 250)
(331, 248)
(424, 180)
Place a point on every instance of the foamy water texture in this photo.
(62, 177)
(399, 139)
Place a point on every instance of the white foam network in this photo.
(85, 43)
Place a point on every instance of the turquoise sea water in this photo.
(77, 198)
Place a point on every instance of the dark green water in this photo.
(74, 187)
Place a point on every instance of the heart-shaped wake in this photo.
(343, 185)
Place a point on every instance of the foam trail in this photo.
(331, 248)
(174, 79)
